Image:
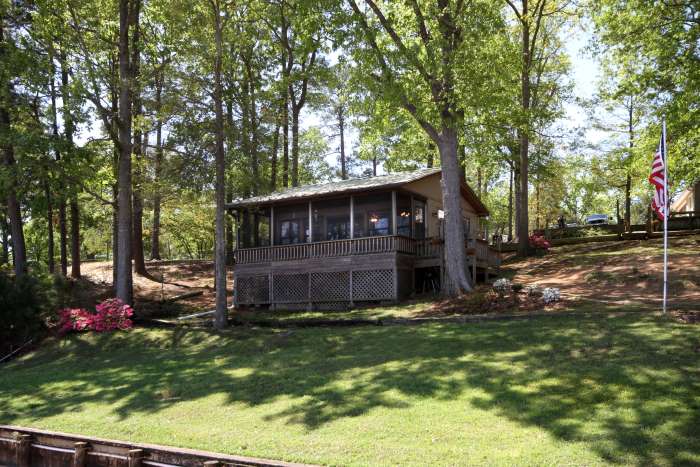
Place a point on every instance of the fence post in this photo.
(22, 450)
(134, 457)
(80, 456)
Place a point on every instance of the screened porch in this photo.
(376, 214)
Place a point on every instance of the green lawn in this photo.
(568, 389)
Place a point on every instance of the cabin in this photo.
(685, 211)
(336, 245)
(688, 201)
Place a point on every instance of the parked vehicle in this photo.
(597, 219)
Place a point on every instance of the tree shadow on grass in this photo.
(627, 386)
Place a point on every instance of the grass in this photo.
(577, 389)
(403, 310)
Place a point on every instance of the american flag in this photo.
(658, 179)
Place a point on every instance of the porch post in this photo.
(311, 228)
(352, 217)
(393, 212)
(272, 225)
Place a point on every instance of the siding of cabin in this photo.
(430, 188)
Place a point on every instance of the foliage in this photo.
(26, 304)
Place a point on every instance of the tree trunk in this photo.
(4, 238)
(138, 154)
(19, 253)
(273, 155)
(295, 145)
(341, 128)
(157, 169)
(456, 278)
(253, 113)
(285, 140)
(510, 204)
(523, 135)
(49, 227)
(478, 182)
(74, 207)
(537, 204)
(518, 199)
(124, 287)
(74, 238)
(62, 200)
(115, 186)
(220, 317)
(628, 184)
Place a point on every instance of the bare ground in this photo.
(621, 273)
(165, 280)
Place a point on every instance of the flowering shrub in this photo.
(533, 290)
(111, 314)
(551, 295)
(538, 241)
(502, 286)
(74, 319)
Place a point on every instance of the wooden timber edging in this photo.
(29, 447)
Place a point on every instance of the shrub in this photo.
(533, 290)
(111, 315)
(539, 242)
(502, 286)
(551, 295)
(25, 304)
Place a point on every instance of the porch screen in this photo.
(291, 224)
(254, 228)
(419, 220)
(372, 215)
(403, 215)
(331, 219)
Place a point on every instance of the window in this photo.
(373, 215)
(291, 224)
(331, 219)
(403, 215)
(419, 219)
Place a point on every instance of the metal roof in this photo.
(353, 185)
(339, 187)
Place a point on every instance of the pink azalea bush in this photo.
(110, 315)
(538, 241)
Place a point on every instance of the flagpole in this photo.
(666, 210)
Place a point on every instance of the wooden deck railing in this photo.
(426, 248)
(356, 246)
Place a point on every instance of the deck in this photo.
(343, 271)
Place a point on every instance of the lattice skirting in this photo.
(330, 286)
(377, 284)
(329, 290)
(290, 288)
(253, 289)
